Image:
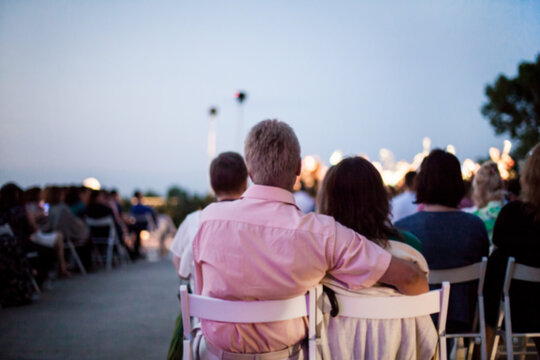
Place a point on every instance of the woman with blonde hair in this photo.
(488, 194)
(517, 234)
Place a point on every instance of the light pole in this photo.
(212, 134)
(240, 97)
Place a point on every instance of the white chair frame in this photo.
(249, 312)
(111, 240)
(518, 272)
(400, 307)
(462, 274)
(75, 255)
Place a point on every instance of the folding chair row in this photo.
(520, 272)
(309, 305)
(111, 240)
(463, 274)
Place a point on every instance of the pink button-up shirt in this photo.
(262, 247)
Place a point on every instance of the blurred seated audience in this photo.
(354, 194)
(517, 233)
(62, 219)
(26, 229)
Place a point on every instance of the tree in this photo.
(513, 106)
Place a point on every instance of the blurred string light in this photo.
(393, 172)
(92, 183)
(336, 157)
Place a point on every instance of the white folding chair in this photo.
(249, 312)
(111, 240)
(400, 307)
(514, 271)
(462, 274)
(75, 255)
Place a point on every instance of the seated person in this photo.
(488, 195)
(140, 214)
(62, 219)
(353, 193)
(228, 178)
(517, 234)
(450, 238)
(262, 247)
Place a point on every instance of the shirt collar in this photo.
(271, 193)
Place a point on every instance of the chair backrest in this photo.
(400, 307)
(248, 312)
(106, 221)
(394, 307)
(515, 271)
(476, 271)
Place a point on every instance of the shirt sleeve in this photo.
(355, 261)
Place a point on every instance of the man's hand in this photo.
(406, 276)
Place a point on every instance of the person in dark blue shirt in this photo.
(143, 216)
(450, 238)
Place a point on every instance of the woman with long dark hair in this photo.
(354, 194)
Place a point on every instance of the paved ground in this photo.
(128, 313)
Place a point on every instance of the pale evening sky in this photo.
(120, 90)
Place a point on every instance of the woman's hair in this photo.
(11, 195)
(439, 180)
(530, 180)
(353, 193)
(487, 185)
(53, 195)
(32, 194)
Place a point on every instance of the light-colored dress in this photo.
(351, 338)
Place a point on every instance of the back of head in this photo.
(439, 181)
(32, 195)
(53, 195)
(73, 195)
(530, 179)
(272, 154)
(11, 195)
(228, 173)
(487, 185)
(410, 177)
(353, 193)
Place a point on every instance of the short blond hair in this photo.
(272, 154)
(487, 185)
(530, 178)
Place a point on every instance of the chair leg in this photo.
(109, 255)
(76, 257)
(442, 347)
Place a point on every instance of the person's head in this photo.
(409, 180)
(354, 194)
(272, 154)
(137, 197)
(54, 195)
(11, 195)
(228, 175)
(487, 185)
(33, 195)
(97, 197)
(530, 179)
(73, 195)
(439, 181)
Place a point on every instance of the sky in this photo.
(120, 90)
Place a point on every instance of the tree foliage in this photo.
(513, 106)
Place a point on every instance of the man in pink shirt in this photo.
(262, 247)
